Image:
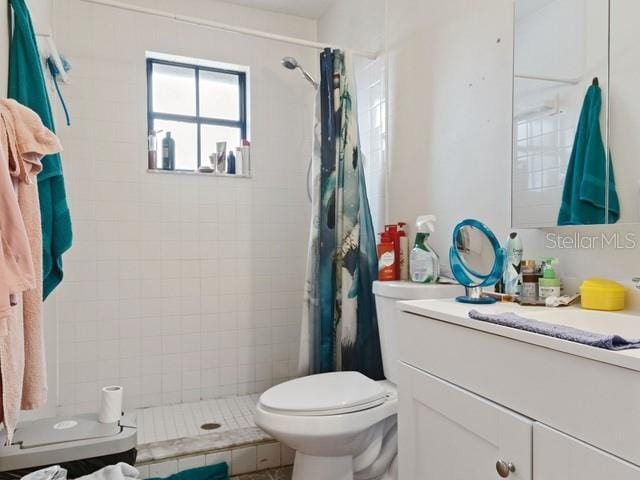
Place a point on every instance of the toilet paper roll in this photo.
(110, 404)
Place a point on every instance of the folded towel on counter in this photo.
(563, 332)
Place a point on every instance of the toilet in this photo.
(343, 425)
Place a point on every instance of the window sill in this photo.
(195, 172)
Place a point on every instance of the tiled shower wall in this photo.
(370, 79)
(178, 287)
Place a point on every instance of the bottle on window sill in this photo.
(168, 152)
(231, 163)
(153, 149)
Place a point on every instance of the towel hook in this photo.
(595, 82)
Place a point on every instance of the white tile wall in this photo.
(178, 287)
(370, 85)
(547, 112)
(243, 460)
(543, 134)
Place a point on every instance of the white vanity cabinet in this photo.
(559, 457)
(476, 399)
(449, 434)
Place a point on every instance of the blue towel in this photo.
(599, 340)
(583, 197)
(210, 472)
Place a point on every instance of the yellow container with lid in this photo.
(602, 294)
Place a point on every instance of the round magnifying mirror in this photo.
(476, 258)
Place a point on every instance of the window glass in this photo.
(174, 89)
(219, 95)
(212, 134)
(185, 136)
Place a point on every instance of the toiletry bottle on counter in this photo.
(395, 236)
(511, 277)
(404, 251)
(168, 152)
(424, 264)
(530, 277)
(386, 258)
(549, 283)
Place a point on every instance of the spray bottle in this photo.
(424, 264)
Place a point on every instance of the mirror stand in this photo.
(474, 295)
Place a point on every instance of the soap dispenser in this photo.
(549, 283)
(424, 264)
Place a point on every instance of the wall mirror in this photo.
(560, 47)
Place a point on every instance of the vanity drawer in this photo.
(594, 401)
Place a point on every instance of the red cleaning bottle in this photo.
(386, 258)
(395, 236)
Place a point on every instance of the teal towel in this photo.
(210, 472)
(27, 86)
(583, 198)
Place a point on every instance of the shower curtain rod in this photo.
(225, 27)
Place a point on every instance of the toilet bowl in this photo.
(343, 425)
(338, 423)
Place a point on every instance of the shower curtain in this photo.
(339, 327)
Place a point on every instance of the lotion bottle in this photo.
(424, 264)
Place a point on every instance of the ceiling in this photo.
(302, 8)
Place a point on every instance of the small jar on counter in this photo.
(530, 277)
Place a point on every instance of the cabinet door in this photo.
(557, 456)
(447, 433)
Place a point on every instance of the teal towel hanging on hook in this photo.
(585, 189)
(27, 86)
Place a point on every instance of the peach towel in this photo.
(22, 359)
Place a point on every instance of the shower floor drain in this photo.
(210, 426)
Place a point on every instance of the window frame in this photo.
(197, 119)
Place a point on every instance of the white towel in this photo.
(121, 471)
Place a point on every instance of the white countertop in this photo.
(624, 324)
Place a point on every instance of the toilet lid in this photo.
(324, 394)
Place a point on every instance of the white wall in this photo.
(450, 66)
(360, 25)
(179, 287)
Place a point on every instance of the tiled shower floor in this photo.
(171, 439)
(170, 422)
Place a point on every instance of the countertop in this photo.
(621, 323)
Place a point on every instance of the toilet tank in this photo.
(387, 294)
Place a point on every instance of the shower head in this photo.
(291, 63)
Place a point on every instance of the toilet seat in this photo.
(325, 394)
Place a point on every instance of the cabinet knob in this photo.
(504, 469)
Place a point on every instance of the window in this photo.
(199, 106)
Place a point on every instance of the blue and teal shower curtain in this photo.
(340, 327)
